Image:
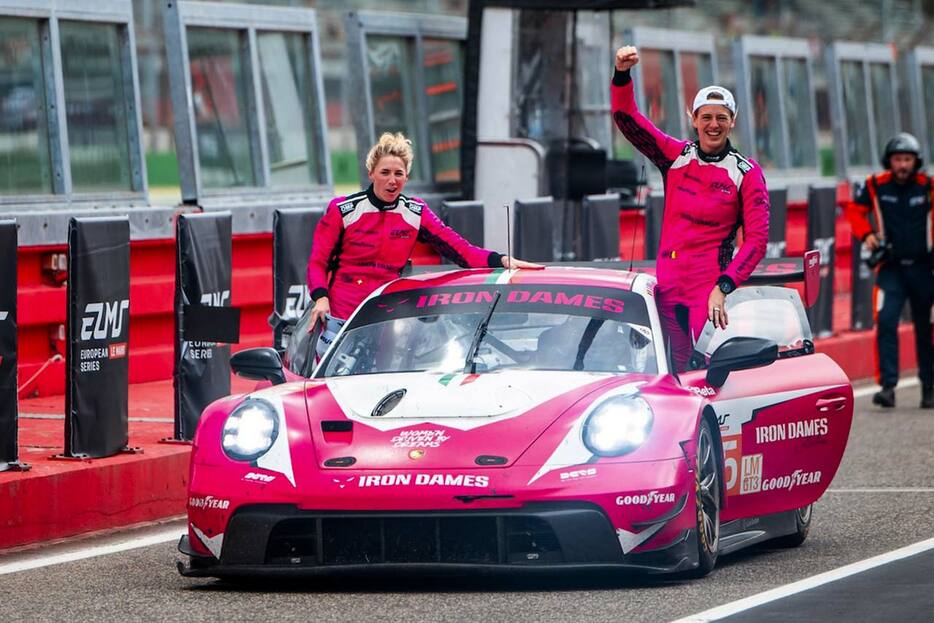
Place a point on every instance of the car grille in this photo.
(487, 539)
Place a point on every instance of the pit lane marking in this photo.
(884, 490)
(747, 603)
(36, 561)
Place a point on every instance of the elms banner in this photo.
(203, 316)
(98, 321)
(8, 360)
(293, 230)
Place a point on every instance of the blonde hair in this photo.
(390, 144)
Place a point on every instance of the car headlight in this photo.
(618, 425)
(250, 430)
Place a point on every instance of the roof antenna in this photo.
(508, 238)
(643, 200)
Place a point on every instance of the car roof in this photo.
(551, 275)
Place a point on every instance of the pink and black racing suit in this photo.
(707, 198)
(361, 243)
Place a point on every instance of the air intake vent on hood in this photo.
(486, 459)
(389, 402)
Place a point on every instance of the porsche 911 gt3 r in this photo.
(508, 419)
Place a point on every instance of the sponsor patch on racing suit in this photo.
(707, 199)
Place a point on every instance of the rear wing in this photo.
(768, 272)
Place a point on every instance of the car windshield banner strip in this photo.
(293, 231)
(96, 362)
(592, 302)
(8, 360)
(202, 277)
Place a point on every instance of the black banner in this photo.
(202, 278)
(98, 328)
(601, 227)
(862, 283)
(778, 219)
(291, 243)
(533, 229)
(8, 359)
(822, 216)
(466, 218)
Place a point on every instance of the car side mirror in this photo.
(739, 353)
(262, 364)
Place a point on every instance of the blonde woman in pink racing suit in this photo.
(365, 239)
(710, 192)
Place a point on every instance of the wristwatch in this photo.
(726, 285)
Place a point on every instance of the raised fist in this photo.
(626, 57)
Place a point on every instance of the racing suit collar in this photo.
(717, 157)
(377, 202)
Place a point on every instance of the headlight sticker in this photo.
(572, 451)
(279, 457)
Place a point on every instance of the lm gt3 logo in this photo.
(296, 300)
(102, 319)
(215, 299)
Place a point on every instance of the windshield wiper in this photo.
(470, 366)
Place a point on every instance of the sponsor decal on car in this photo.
(646, 499)
(432, 438)
(257, 477)
(421, 480)
(589, 301)
(704, 391)
(790, 481)
(816, 427)
(578, 474)
(208, 501)
(751, 479)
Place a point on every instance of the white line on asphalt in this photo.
(34, 562)
(884, 490)
(781, 592)
(872, 389)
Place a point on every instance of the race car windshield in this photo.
(471, 329)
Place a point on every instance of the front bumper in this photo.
(281, 539)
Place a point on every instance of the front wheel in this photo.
(802, 528)
(707, 496)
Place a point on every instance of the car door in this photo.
(783, 426)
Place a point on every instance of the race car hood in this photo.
(424, 420)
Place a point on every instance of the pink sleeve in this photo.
(326, 237)
(451, 245)
(638, 129)
(755, 198)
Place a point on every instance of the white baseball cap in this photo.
(721, 97)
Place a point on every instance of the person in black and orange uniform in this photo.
(899, 201)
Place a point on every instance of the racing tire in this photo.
(707, 484)
(802, 528)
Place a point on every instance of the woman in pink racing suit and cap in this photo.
(710, 191)
(365, 239)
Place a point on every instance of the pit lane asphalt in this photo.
(862, 515)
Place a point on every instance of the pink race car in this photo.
(517, 419)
